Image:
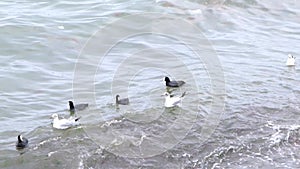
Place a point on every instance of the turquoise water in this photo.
(44, 44)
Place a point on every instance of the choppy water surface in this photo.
(258, 127)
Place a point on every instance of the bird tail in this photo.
(77, 118)
(183, 94)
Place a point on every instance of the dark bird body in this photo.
(124, 101)
(173, 83)
(22, 142)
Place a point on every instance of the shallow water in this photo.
(46, 60)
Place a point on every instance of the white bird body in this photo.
(291, 60)
(171, 101)
(64, 123)
(194, 11)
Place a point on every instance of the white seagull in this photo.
(64, 123)
(291, 60)
(171, 101)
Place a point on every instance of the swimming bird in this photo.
(124, 101)
(173, 83)
(22, 142)
(77, 107)
(171, 100)
(291, 60)
(64, 123)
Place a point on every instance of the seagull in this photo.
(77, 107)
(194, 11)
(173, 83)
(64, 123)
(171, 100)
(22, 142)
(124, 101)
(291, 60)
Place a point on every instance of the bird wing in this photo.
(176, 100)
(176, 103)
(176, 83)
(173, 84)
(66, 122)
(124, 101)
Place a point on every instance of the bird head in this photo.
(20, 138)
(290, 56)
(166, 94)
(71, 105)
(167, 79)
